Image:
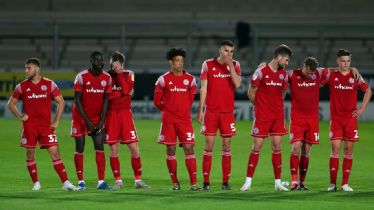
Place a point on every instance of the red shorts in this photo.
(120, 127)
(169, 132)
(304, 129)
(265, 128)
(78, 128)
(223, 121)
(345, 129)
(44, 135)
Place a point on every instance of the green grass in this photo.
(16, 184)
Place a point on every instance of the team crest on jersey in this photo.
(314, 76)
(24, 141)
(43, 87)
(103, 83)
(186, 82)
(281, 77)
(291, 136)
(351, 80)
(255, 130)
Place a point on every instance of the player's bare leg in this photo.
(115, 165)
(207, 160)
(59, 167)
(98, 142)
(171, 162)
(334, 164)
(294, 163)
(226, 162)
(347, 165)
(304, 164)
(31, 167)
(78, 161)
(252, 162)
(137, 166)
(277, 162)
(191, 165)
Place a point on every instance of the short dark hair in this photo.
(95, 53)
(33, 60)
(343, 52)
(227, 43)
(311, 63)
(283, 50)
(118, 56)
(175, 52)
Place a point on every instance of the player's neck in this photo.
(36, 79)
(95, 72)
(343, 71)
(220, 61)
(176, 72)
(273, 65)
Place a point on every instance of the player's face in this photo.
(177, 63)
(282, 61)
(307, 72)
(226, 50)
(344, 62)
(97, 63)
(31, 70)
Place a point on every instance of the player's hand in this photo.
(54, 125)
(226, 59)
(117, 67)
(357, 113)
(90, 126)
(200, 116)
(24, 118)
(355, 73)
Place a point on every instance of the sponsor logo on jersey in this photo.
(35, 96)
(306, 84)
(175, 89)
(43, 88)
(219, 75)
(186, 82)
(272, 83)
(92, 90)
(343, 87)
(103, 83)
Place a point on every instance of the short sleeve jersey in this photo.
(176, 95)
(269, 99)
(37, 100)
(92, 89)
(343, 94)
(221, 89)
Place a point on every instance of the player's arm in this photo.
(252, 94)
(365, 101)
(203, 92)
(12, 105)
(100, 125)
(77, 100)
(235, 77)
(157, 98)
(60, 109)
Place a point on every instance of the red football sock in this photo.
(334, 167)
(207, 165)
(100, 163)
(304, 164)
(347, 166)
(226, 166)
(191, 167)
(294, 165)
(31, 167)
(59, 167)
(252, 163)
(136, 166)
(276, 158)
(78, 161)
(116, 167)
(171, 162)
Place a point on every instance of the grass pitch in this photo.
(16, 184)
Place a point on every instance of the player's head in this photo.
(117, 57)
(310, 66)
(32, 67)
(226, 48)
(282, 55)
(176, 57)
(97, 61)
(343, 59)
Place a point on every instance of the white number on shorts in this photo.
(232, 125)
(133, 134)
(356, 134)
(190, 136)
(316, 136)
(52, 138)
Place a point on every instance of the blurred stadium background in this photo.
(64, 33)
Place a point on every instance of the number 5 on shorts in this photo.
(232, 126)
